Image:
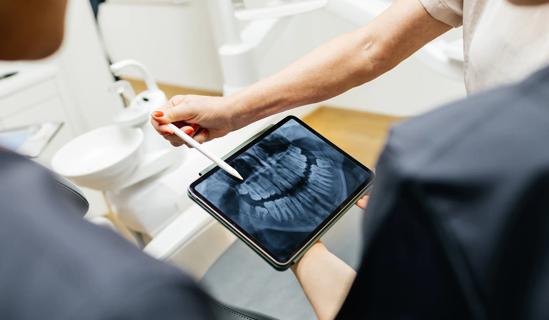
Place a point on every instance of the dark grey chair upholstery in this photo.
(221, 311)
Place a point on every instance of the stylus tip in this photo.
(233, 173)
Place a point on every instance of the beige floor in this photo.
(361, 134)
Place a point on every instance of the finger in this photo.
(154, 123)
(178, 143)
(161, 116)
(362, 202)
(161, 129)
(172, 136)
(164, 129)
(178, 118)
(189, 130)
(202, 135)
(174, 139)
(177, 109)
(195, 127)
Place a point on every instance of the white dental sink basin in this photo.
(100, 157)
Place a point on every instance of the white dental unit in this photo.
(114, 151)
(145, 179)
(254, 39)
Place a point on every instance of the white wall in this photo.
(174, 41)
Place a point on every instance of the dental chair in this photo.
(220, 310)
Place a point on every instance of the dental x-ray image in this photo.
(293, 181)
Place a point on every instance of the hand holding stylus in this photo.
(191, 133)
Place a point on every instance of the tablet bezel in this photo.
(257, 246)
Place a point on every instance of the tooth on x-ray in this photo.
(293, 182)
(261, 212)
(273, 211)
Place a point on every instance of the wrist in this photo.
(255, 103)
(316, 251)
(238, 110)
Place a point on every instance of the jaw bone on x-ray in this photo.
(293, 181)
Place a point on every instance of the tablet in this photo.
(296, 185)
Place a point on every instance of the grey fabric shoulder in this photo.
(479, 169)
(55, 265)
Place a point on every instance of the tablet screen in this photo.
(294, 180)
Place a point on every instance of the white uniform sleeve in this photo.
(447, 11)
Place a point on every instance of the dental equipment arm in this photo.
(120, 66)
(345, 62)
(325, 279)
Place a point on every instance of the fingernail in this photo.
(158, 114)
(189, 131)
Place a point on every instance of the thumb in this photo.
(176, 110)
(362, 202)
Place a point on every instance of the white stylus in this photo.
(193, 143)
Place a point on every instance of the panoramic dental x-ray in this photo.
(293, 181)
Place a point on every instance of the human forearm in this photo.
(325, 279)
(324, 73)
(341, 64)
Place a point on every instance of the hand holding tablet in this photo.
(296, 185)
